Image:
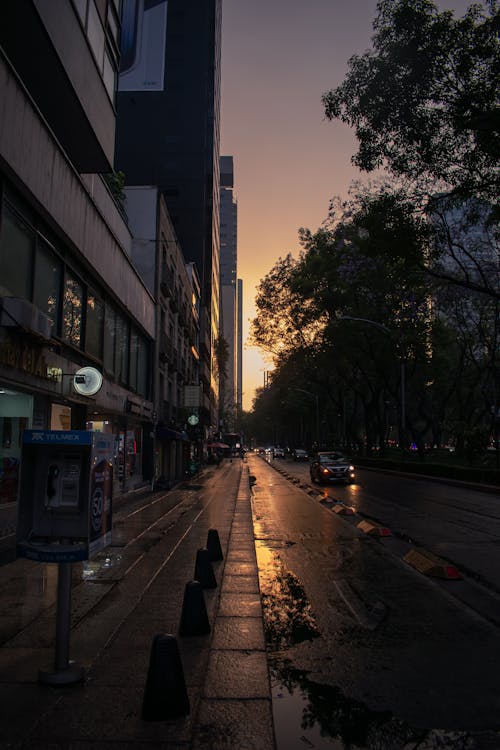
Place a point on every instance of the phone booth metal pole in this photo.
(65, 672)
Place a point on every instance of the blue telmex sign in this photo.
(69, 437)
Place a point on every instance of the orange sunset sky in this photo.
(278, 58)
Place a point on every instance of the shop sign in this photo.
(133, 407)
(192, 395)
(29, 360)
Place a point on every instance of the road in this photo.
(459, 523)
(365, 649)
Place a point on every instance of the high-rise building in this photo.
(231, 288)
(70, 297)
(239, 347)
(168, 112)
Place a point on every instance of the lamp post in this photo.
(315, 396)
(389, 332)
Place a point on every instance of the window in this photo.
(95, 33)
(134, 352)
(109, 340)
(48, 272)
(16, 256)
(121, 349)
(72, 311)
(143, 367)
(108, 75)
(94, 325)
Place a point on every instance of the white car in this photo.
(300, 455)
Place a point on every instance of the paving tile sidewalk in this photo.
(225, 672)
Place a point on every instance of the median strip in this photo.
(374, 529)
(431, 565)
(345, 510)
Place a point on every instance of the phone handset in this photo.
(52, 489)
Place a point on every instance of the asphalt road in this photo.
(457, 522)
(365, 649)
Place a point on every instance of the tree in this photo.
(424, 100)
(355, 266)
(286, 319)
(221, 352)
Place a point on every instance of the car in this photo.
(279, 453)
(299, 454)
(331, 466)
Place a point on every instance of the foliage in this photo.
(424, 100)
(287, 319)
(221, 350)
(116, 183)
(360, 289)
(389, 318)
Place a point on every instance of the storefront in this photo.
(37, 392)
(16, 415)
(171, 455)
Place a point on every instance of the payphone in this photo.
(64, 515)
(65, 495)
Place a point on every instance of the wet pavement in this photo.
(127, 606)
(257, 680)
(364, 653)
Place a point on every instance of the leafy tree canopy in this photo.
(424, 101)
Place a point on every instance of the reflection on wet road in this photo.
(288, 616)
(362, 653)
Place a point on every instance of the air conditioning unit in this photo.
(16, 312)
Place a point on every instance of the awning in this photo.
(166, 433)
(217, 445)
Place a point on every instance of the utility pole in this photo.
(402, 359)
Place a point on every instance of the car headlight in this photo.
(351, 468)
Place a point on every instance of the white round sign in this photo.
(193, 419)
(87, 381)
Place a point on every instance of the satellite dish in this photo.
(87, 381)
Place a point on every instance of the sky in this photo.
(278, 58)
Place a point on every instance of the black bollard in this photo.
(213, 545)
(203, 571)
(165, 696)
(194, 617)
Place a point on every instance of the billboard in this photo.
(143, 41)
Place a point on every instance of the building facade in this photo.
(70, 295)
(175, 285)
(168, 108)
(231, 288)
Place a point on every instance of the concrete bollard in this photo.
(194, 617)
(165, 696)
(203, 571)
(214, 546)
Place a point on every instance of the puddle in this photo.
(308, 714)
(288, 617)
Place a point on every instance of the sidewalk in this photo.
(225, 672)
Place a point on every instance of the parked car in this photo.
(300, 455)
(331, 466)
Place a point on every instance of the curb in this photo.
(431, 565)
(374, 529)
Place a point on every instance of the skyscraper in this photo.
(168, 108)
(231, 287)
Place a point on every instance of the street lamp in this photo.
(392, 334)
(315, 396)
